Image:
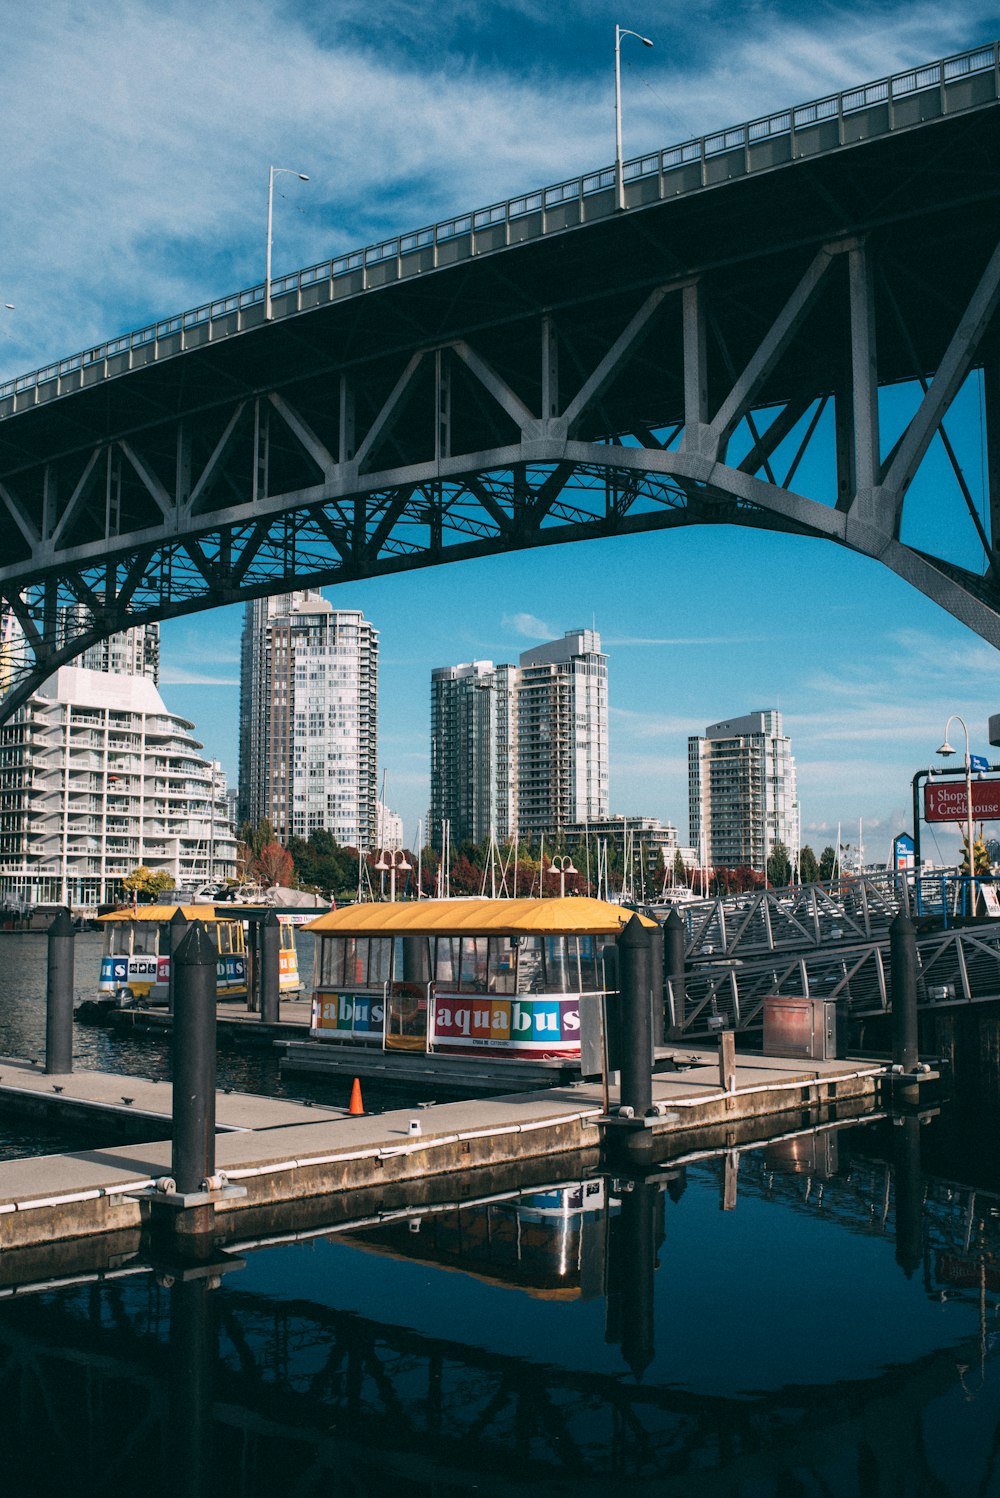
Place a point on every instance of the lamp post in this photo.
(273, 172)
(392, 859)
(619, 171)
(562, 866)
(944, 751)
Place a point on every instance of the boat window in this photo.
(530, 965)
(411, 959)
(446, 961)
(145, 939)
(472, 978)
(287, 936)
(591, 975)
(224, 936)
(380, 952)
(503, 964)
(562, 971)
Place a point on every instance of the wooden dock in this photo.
(278, 1151)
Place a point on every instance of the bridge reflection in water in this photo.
(548, 1341)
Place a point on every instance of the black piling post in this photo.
(193, 1152)
(674, 958)
(638, 1241)
(656, 995)
(177, 928)
(59, 996)
(903, 961)
(192, 1369)
(636, 1090)
(908, 1186)
(270, 968)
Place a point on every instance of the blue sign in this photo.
(903, 851)
(977, 762)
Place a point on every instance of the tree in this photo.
(979, 853)
(827, 862)
(680, 872)
(146, 884)
(808, 867)
(779, 866)
(273, 864)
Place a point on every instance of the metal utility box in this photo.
(810, 1028)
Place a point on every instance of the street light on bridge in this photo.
(944, 751)
(620, 31)
(273, 172)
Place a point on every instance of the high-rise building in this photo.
(309, 719)
(131, 652)
(473, 752)
(741, 791)
(97, 778)
(562, 734)
(520, 750)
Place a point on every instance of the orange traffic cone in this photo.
(357, 1106)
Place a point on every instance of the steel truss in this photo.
(695, 400)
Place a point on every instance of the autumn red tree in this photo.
(273, 864)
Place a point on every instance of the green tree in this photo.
(680, 872)
(808, 867)
(779, 866)
(827, 862)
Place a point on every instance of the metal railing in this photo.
(663, 165)
(955, 967)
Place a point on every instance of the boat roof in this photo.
(145, 914)
(570, 916)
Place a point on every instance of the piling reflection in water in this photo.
(549, 1341)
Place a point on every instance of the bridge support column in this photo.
(270, 968)
(59, 996)
(635, 963)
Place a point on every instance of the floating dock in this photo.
(278, 1151)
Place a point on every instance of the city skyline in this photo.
(700, 623)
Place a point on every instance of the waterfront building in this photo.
(562, 734)
(389, 837)
(647, 845)
(742, 791)
(309, 719)
(473, 752)
(96, 778)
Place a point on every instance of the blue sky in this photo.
(134, 183)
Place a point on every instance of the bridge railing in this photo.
(955, 967)
(754, 145)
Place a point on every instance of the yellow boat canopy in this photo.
(155, 914)
(572, 916)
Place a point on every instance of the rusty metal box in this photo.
(809, 1028)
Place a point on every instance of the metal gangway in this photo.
(957, 966)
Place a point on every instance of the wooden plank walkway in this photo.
(286, 1151)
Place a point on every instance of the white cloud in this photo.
(529, 626)
(178, 676)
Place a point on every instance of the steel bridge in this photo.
(544, 370)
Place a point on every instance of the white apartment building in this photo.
(309, 719)
(562, 734)
(520, 750)
(473, 752)
(742, 792)
(98, 777)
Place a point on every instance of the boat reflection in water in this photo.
(554, 1339)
